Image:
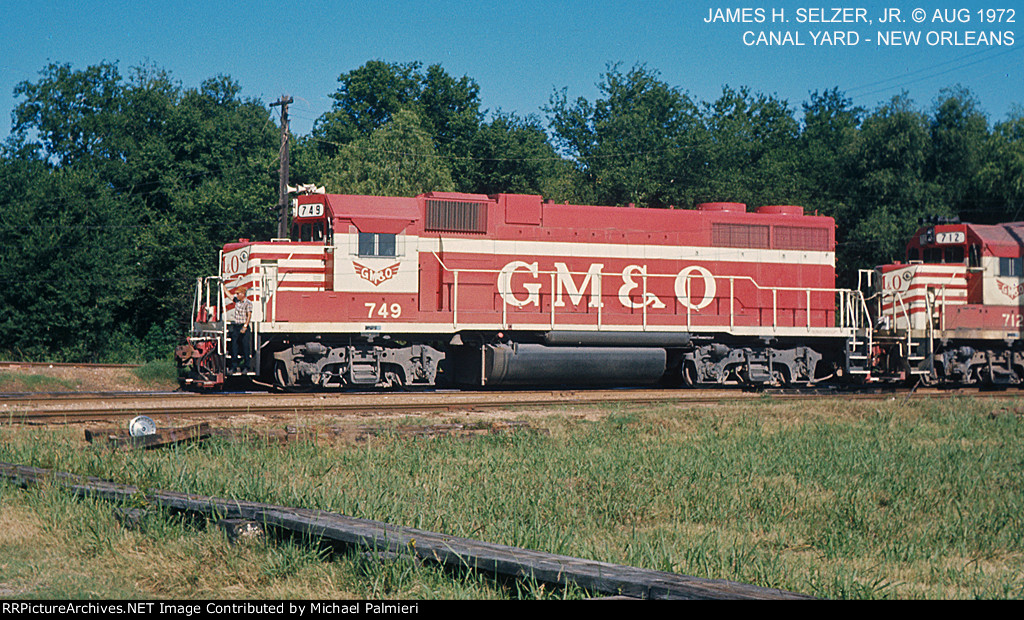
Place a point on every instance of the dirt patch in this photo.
(59, 378)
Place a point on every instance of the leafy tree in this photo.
(1002, 176)
(511, 155)
(506, 154)
(71, 114)
(959, 137)
(890, 167)
(451, 110)
(367, 99)
(144, 181)
(642, 142)
(827, 140)
(753, 152)
(371, 96)
(69, 273)
(398, 159)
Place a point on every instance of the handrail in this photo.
(857, 308)
(865, 309)
(897, 298)
(196, 304)
(843, 320)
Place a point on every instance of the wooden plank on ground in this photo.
(449, 551)
(160, 439)
(119, 437)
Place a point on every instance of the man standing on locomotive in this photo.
(239, 332)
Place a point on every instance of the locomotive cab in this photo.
(935, 275)
(311, 223)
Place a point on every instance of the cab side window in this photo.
(1011, 267)
(378, 244)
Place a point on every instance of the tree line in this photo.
(116, 190)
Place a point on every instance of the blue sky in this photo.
(518, 52)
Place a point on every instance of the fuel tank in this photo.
(535, 364)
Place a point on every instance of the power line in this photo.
(903, 82)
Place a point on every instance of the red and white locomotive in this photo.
(952, 312)
(474, 290)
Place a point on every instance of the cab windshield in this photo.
(315, 230)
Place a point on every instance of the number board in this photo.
(315, 209)
(950, 237)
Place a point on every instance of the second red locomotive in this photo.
(952, 312)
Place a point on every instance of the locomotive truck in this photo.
(454, 289)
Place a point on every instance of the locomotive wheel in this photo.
(281, 381)
(280, 376)
(689, 374)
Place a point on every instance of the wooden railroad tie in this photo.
(448, 551)
(166, 437)
(119, 438)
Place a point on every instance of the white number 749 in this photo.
(383, 311)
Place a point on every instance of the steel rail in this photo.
(312, 404)
(120, 405)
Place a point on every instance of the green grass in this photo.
(27, 382)
(834, 499)
(163, 371)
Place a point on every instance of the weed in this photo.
(157, 371)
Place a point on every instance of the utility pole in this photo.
(282, 190)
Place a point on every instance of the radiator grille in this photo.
(739, 236)
(801, 238)
(454, 216)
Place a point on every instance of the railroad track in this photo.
(14, 365)
(73, 408)
(43, 409)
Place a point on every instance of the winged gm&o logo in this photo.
(375, 276)
(634, 284)
(1013, 291)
